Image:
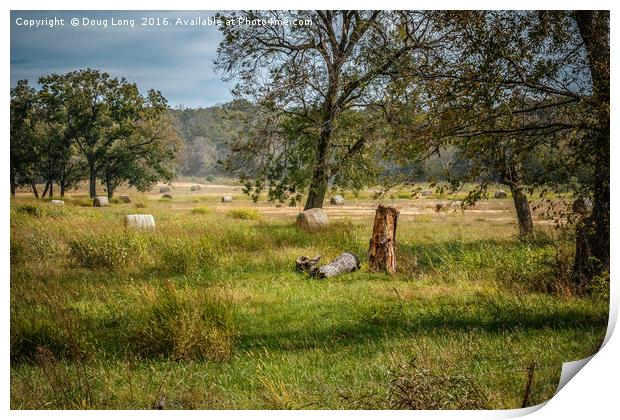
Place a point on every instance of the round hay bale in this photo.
(195, 188)
(226, 199)
(101, 201)
(313, 219)
(582, 206)
(164, 190)
(426, 192)
(500, 194)
(125, 198)
(58, 202)
(140, 221)
(337, 200)
(166, 197)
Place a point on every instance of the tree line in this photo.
(339, 97)
(86, 125)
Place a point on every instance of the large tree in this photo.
(312, 73)
(110, 123)
(25, 150)
(523, 82)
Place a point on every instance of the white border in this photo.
(593, 393)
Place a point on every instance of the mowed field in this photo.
(208, 312)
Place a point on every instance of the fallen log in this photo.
(382, 254)
(344, 263)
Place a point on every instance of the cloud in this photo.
(177, 60)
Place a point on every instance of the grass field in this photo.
(208, 312)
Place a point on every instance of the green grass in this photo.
(210, 313)
(244, 214)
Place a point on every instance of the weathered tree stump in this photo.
(382, 254)
(344, 263)
(306, 264)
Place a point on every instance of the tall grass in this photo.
(209, 312)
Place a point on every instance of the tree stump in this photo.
(304, 263)
(382, 255)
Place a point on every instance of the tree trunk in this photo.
(47, 187)
(51, 188)
(62, 189)
(13, 184)
(33, 185)
(524, 214)
(382, 254)
(318, 185)
(594, 231)
(92, 182)
(109, 188)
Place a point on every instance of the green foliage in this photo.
(182, 326)
(201, 210)
(244, 214)
(112, 251)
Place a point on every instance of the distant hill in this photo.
(206, 135)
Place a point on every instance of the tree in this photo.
(111, 124)
(526, 81)
(145, 151)
(24, 151)
(306, 76)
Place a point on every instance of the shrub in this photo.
(29, 209)
(183, 256)
(109, 251)
(416, 388)
(201, 210)
(190, 325)
(244, 214)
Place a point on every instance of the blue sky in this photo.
(177, 60)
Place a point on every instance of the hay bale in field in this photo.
(337, 200)
(582, 206)
(101, 201)
(426, 192)
(313, 219)
(58, 202)
(164, 190)
(195, 188)
(125, 198)
(140, 221)
(226, 199)
(377, 195)
(344, 263)
(166, 197)
(500, 194)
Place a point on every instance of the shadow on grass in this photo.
(377, 324)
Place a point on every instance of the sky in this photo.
(175, 59)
